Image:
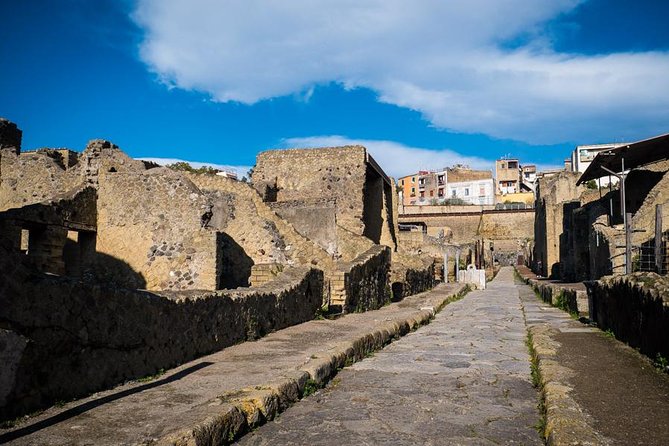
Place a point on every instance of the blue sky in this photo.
(422, 84)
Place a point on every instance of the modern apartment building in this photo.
(458, 182)
(507, 176)
(471, 186)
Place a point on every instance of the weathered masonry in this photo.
(505, 234)
(580, 235)
(113, 268)
(327, 194)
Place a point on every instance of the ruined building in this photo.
(112, 268)
(579, 233)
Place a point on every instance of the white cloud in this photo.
(397, 159)
(241, 171)
(442, 58)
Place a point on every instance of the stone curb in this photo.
(566, 422)
(251, 407)
(550, 293)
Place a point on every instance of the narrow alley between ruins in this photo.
(463, 379)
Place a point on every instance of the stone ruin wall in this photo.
(156, 222)
(257, 229)
(54, 233)
(32, 177)
(411, 274)
(362, 284)
(507, 225)
(10, 136)
(303, 174)
(553, 193)
(345, 175)
(152, 228)
(65, 338)
(510, 232)
(635, 308)
(574, 225)
(314, 219)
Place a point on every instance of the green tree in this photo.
(183, 166)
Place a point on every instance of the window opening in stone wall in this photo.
(25, 241)
(112, 169)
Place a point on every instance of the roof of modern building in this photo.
(461, 175)
(632, 155)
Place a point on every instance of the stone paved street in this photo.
(463, 379)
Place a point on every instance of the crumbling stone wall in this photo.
(592, 243)
(64, 338)
(302, 174)
(412, 274)
(156, 221)
(260, 233)
(44, 229)
(314, 219)
(552, 193)
(31, 177)
(362, 284)
(362, 193)
(10, 136)
(635, 308)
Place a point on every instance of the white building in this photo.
(227, 173)
(582, 157)
(474, 191)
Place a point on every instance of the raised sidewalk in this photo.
(219, 397)
(597, 390)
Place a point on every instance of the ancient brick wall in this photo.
(65, 338)
(635, 308)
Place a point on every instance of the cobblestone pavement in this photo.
(464, 379)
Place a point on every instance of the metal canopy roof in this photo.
(636, 154)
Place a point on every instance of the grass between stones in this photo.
(535, 373)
